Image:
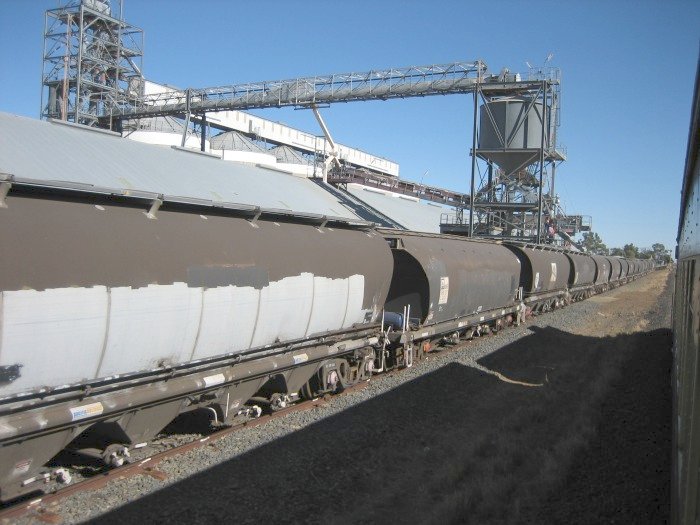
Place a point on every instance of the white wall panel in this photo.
(89, 333)
(285, 307)
(228, 320)
(250, 157)
(330, 303)
(151, 326)
(356, 296)
(55, 335)
(163, 138)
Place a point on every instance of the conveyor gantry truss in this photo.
(385, 84)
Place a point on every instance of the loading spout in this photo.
(570, 239)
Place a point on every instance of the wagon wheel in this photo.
(307, 391)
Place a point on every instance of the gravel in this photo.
(86, 506)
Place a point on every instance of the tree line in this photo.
(594, 244)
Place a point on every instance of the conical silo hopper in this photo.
(510, 133)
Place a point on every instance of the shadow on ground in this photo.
(462, 446)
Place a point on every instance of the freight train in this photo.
(121, 309)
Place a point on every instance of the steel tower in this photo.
(514, 158)
(92, 62)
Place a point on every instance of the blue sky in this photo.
(628, 70)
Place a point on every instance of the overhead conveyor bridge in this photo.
(414, 81)
(507, 148)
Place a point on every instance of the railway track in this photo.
(148, 466)
(150, 474)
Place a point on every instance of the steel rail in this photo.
(147, 465)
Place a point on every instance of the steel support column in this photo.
(489, 215)
(542, 146)
(203, 145)
(474, 143)
(188, 115)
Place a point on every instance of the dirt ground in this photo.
(591, 444)
(600, 431)
(623, 473)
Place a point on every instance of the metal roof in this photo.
(409, 212)
(166, 124)
(233, 140)
(288, 155)
(53, 151)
